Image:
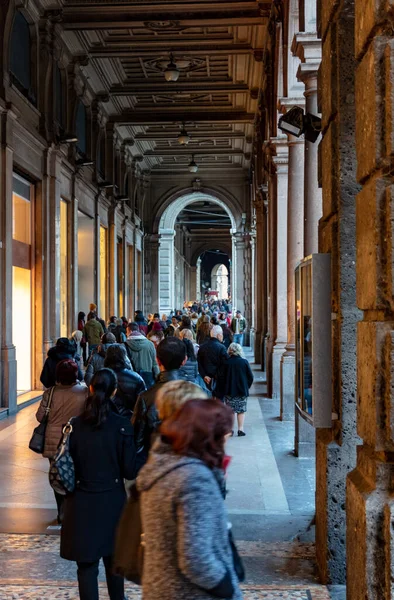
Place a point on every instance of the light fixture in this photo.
(296, 123)
(193, 166)
(172, 72)
(121, 199)
(67, 138)
(183, 137)
(105, 184)
(84, 162)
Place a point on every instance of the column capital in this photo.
(308, 48)
(286, 103)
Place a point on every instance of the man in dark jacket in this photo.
(130, 384)
(96, 360)
(64, 349)
(171, 356)
(212, 357)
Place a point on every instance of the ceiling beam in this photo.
(185, 86)
(159, 115)
(154, 51)
(202, 152)
(194, 134)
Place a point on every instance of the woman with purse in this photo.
(59, 403)
(188, 552)
(102, 449)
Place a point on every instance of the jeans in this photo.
(238, 339)
(88, 584)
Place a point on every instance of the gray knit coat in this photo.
(184, 520)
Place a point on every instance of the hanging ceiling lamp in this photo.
(183, 137)
(193, 166)
(172, 72)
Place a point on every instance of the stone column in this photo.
(261, 276)
(166, 271)
(238, 271)
(8, 353)
(73, 223)
(280, 161)
(295, 248)
(151, 273)
(307, 46)
(198, 279)
(370, 487)
(252, 335)
(112, 261)
(336, 446)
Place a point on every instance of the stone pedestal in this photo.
(304, 438)
(287, 392)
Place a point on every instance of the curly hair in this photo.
(198, 429)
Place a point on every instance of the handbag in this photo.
(37, 442)
(62, 470)
(128, 558)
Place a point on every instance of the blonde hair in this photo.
(235, 350)
(186, 333)
(175, 393)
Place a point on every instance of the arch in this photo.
(20, 56)
(166, 230)
(219, 279)
(168, 218)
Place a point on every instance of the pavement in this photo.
(270, 504)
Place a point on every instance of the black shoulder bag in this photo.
(37, 442)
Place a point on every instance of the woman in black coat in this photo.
(130, 384)
(102, 448)
(237, 380)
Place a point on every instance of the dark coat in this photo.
(103, 458)
(238, 377)
(55, 355)
(130, 385)
(145, 417)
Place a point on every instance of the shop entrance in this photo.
(22, 200)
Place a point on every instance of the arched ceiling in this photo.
(218, 46)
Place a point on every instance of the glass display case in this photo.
(313, 339)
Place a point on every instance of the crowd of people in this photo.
(152, 400)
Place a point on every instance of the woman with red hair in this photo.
(187, 548)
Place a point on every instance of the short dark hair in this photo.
(112, 319)
(171, 352)
(186, 322)
(67, 372)
(156, 316)
(115, 357)
(108, 338)
(133, 326)
(198, 429)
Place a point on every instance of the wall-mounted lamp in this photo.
(84, 162)
(243, 218)
(296, 123)
(67, 138)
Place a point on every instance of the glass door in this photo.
(22, 301)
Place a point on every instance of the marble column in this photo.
(238, 272)
(280, 162)
(8, 351)
(112, 262)
(166, 271)
(261, 277)
(295, 235)
(252, 335)
(198, 279)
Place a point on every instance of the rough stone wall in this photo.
(370, 486)
(336, 447)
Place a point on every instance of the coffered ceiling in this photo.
(218, 48)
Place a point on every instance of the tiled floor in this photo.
(270, 503)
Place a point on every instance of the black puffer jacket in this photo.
(145, 417)
(96, 362)
(130, 385)
(55, 355)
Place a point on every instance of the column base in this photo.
(287, 386)
(252, 338)
(8, 370)
(277, 353)
(305, 437)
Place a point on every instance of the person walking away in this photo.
(171, 356)
(64, 349)
(173, 394)
(228, 335)
(130, 384)
(112, 324)
(238, 326)
(102, 448)
(238, 379)
(96, 360)
(93, 331)
(186, 334)
(80, 327)
(155, 323)
(212, 357)
(119, 331)
(142, 322)
(68, 400)
(203, 332)
(190, 556)
(142, 354)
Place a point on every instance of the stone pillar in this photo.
(193, 283)
(280, 161)
(336, 447)
(73, 222)
(295, 247)
(166, 271)
(370, 487)
(151, 273)
(252, 335)
(261, 275)
(8, 354)
(112, 261)
(307, 46)
(198, 279)
(238, 272)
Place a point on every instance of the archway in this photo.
(219, 281)
(167, 260)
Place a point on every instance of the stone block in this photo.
(327, 79)
(389, 97)
(375, 228)
(327, 9)
(370, 113)
(329, 163)
(374, 376)
(371, 14)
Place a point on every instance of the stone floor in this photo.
(270, 502)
